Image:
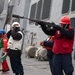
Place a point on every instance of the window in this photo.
(73, 22)
(33, 11)
(1, 5)
(46, 9)
(65, 8)
(73, 5)
(39, 9)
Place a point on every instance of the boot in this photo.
(16, 74)
(21, 74)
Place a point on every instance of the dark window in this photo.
(39, 9)
(1, 5)
(73, 22)
(73, 5)
(65, 8)
(33, 11)
(46, 9)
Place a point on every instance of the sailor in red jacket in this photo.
(48, 44)
(63, 44)
(5, 67)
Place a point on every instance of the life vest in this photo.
(14, 44)
(49, 39)
(62, 45)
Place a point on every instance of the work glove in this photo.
(39, 23)
(53, 25)
(36, 24)
(57, 27)
(41, 43)
(13, 32)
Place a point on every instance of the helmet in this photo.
(2, 32)
(15, 24)
(65, 20)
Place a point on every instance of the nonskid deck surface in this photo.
(33, 67)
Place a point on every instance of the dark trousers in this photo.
(50, 63)
(16, 65)
(15, 61)
(50, 59)
(62, 62)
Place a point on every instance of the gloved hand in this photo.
(36, 24)
(40, 23)
(13, 32)
(57, 27)
(52, 23)
(2, 31)
(41, 43)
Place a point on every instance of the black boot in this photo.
(16, 74)
(69, 74)
(21, 74)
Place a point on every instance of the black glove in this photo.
(40, 23)
(57, 27)
(36, 24)
(13, 33)
(52, 24)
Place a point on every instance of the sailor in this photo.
(63, 45)
(48, 44)
(3, 50)
(15, 37)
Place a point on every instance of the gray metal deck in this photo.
(33, 67)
